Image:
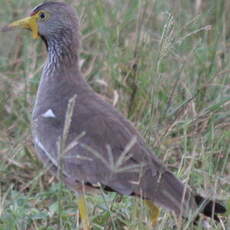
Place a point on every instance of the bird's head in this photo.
(49, 20)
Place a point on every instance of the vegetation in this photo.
(165, 65)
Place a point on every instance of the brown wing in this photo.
(113, 142)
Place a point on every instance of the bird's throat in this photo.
(62, 52)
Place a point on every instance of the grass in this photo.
(164, 64)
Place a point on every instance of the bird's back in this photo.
(108, 150)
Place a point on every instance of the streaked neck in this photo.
(62, 52)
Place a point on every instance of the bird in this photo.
(86, 142)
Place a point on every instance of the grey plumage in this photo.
(104, 129)
(101, 146)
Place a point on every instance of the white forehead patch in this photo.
(49, 114)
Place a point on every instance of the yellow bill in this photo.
(29, 23)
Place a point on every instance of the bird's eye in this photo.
(42, 15)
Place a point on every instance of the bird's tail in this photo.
(210, 208)
(169, 192)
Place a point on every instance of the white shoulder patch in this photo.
(49, 114)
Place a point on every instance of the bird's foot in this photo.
(154, 212)
(83, 212)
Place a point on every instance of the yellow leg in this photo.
(83, 212)
(154, 211)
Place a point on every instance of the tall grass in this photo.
(164, 64)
